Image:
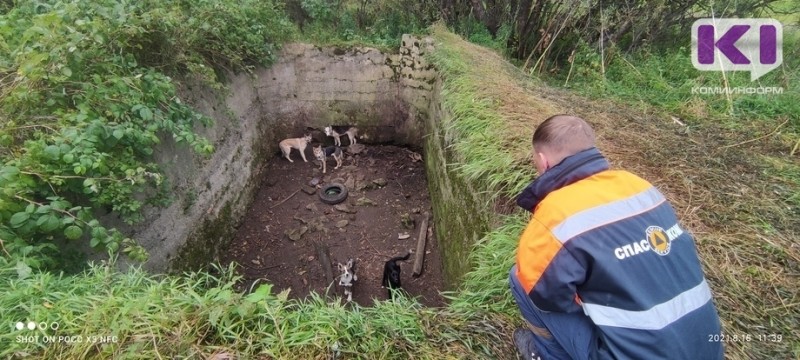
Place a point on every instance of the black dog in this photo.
(391, 274)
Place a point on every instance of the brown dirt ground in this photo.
(264, 251)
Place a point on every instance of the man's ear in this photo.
(542, 162)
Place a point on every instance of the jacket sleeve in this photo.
(547, 271)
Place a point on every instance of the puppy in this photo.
(322, 155)
(348, 277)
(391, 274)
(337, 131)
(297, 143)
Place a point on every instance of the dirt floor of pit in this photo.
(388, 196)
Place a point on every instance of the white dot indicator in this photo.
(31, 325)
(20, 325)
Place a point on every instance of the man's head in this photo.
(558, 137)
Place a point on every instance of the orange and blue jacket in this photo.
(607, 243)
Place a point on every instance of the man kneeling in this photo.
(604, 270)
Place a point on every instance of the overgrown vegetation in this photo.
(668, 81)
(200, 315)
(361, 22)
(85, 96)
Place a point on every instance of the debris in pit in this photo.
(415, 156)
(318, 224)
(342, 223)
(344, 208)
(296, 234)
(364, 186)
(365, 201)
(356, 149)
(309, 190)
(368, 234)
(380, 182)
(403, 236)
(350, 183)
(407, 221)
(312, 207)
(304, 221)
(313, 182)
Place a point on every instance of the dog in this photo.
(337, 131)
(348, 277)
(322, 155)
(297, 143)
(391, 274)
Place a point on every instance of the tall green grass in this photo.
(664, 80)
(197, 314)
(477, 128)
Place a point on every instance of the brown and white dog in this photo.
(337, 131)
(322, 155)
(297, 143)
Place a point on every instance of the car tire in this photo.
(333, 193)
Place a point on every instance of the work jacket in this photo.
(608, 244)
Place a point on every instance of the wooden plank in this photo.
(324, 257)
(419, 256)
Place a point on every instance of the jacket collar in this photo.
(573, 168)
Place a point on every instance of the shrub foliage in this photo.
(85, 96)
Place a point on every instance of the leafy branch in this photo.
(85, 99)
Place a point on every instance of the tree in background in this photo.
(544, 33)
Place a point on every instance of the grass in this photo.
(200, 315)
(490, 125)
(665, 80)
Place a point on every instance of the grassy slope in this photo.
(738, 196)
(728, 197)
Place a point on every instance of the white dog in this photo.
(337, 131)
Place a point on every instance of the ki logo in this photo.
(754, 45)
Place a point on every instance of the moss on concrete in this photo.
(461, 213)
(206, 242)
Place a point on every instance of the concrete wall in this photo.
(386, 95)
(463, 214)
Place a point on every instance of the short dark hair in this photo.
(563, 135)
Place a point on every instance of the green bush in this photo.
(86, 97)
